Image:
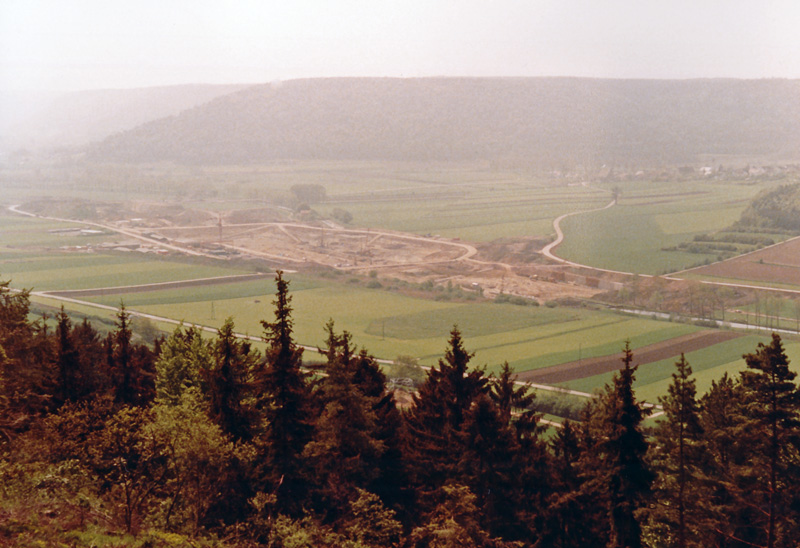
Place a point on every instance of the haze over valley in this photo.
(366, 275)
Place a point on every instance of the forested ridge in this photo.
(551, 122)
(197, 441)
(774, 209)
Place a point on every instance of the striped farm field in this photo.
(389, 324)
(775, 266)
(708, 364)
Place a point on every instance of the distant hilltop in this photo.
(548, 122)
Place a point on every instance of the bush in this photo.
(504, 298)
(342, 215)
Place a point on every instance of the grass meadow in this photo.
(649, 217)
(389, 324)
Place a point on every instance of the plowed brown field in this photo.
(778, 264)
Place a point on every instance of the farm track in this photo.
(547, 251)
(588, 367)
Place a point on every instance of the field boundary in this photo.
(180, 284)
(651, 353)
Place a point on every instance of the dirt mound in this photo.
(571, 371)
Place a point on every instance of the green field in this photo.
(389, 324)
(708, 364)
(649, 217)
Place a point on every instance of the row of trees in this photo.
(211, 439)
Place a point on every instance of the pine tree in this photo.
(725, 514)
(677, 457)
(440, 406)
(286, 405)
(345, 450)
(131, 366)
(773, 408)
(228, 383)
(622, 450)
(67, 362)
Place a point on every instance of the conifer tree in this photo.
(26, 357)
(392, 481)
(508, 396)
(435, 420)
(523, 500)
(67, 362)
(344, 451)
(725, 514)
(131, 366)
(677, 457)
(621, 449)
(286, 405)
(489, 466)
(571, 513)
(773, 408)
(228, 383)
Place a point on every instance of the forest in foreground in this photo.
(197, 441)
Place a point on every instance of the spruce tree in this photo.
(489, 466)
(67, 362)
(725, 513)
(286, 404)
(131, 366)
(572, 513)
(344, 452)
(435, 420)
(677, 457)
(228, 384)
(26, 379)
(773, 408)
(508, 395)
(621, 449)
(522, 501)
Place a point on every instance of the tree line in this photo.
(209, 441)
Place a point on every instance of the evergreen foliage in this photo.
(435, 421)
(678, 456)
(287, 406)
(229, 384)
(202, 442)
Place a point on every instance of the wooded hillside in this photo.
(554, 122)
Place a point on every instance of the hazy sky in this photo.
(87, 44)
